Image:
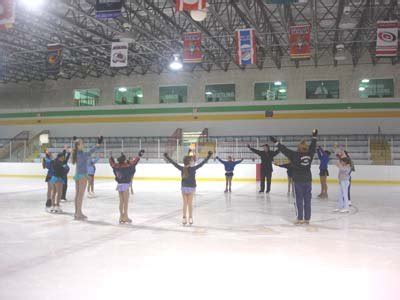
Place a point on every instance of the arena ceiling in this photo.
(155, 29)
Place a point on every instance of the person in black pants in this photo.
(65, 177)
(301, 161)
(267, 156)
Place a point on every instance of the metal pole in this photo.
(369, 148)
(391, 151)
(140, 144)
(236, 147)
(158, 149)
(258, 143)
(346, 143)
(216, 147)
(324, 142)
(10, 149)
(177, 150)
(105, 148)
(24, 149)
(122, 145)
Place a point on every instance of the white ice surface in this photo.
(242, 246)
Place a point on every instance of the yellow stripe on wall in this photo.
(204, 117)
(218, 179)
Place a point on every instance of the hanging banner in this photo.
(107, 9)
(7, 13)
(387, 38)
(245, 44)
(299, 39)
(119, 54)
(188, 5)
(192, 47)
(281, 1)
(54, 57)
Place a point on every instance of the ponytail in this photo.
(185, 172)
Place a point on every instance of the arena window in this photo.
(376, 88)
(270, 91)
(220, 93)
(127, 95)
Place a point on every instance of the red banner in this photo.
(7, 13)
(299, 40)
(188, 5)
(192, 47)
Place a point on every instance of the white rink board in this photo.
(210, 171)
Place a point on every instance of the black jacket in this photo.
(301, 162)
(266, 158)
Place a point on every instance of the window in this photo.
(326, 89)
(88, 97)
(270, 91)
(173, 94)
(124, 95)
(376, 88)
(220, 92)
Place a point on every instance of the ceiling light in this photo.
(365, 81)
(140, 95)
(176, 64)
(32, 4)
(277, 83)
(208, 93)
(122, 89)
(282, 91)
(361, 89)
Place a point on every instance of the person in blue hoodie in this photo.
(229, 165)
(47, 164)
(124, 171)
(80, 158)
(324, 157)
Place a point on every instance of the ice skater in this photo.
(188, 183)
(267, 156)
(344, 167)
(80, 158)
(341, 153)
(47, 164)
(323, 156)
(288, 166)
(124, 171)
(67, 155)
(229, 165)
(91, 170)
(301, 161)
(57, 180)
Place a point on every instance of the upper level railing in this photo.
(385, 148)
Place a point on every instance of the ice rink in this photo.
(242, 245)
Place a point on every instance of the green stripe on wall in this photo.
(209, 109)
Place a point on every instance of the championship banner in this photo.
(387, 38)
(245, 44)
(54, 58)
(188, 5)
(119, 54)
(107, 9)
(299, 39)
(7, 13)
(192, 47)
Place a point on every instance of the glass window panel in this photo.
(322, 89)
(173, 94)
(220, 93)
(376, 88)
(270, 91)
(124, 95)
(86, 97)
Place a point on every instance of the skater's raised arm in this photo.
(313, 146)
(111, 160)
(258, 152)
(170, 160)
(204, 161)
(220, 160)
(135, 161)
(274, 153)
(238, 161)
(285, 151)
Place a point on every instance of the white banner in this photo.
(119, 54)
(387, 38)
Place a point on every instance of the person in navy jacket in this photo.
(229, 165)
(124, 171)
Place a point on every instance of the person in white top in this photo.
(344, 181)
